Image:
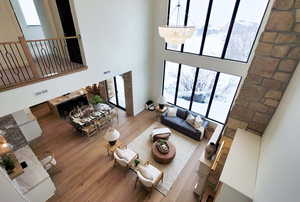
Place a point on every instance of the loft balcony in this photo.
(24, 62)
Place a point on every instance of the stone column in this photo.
(275, 60)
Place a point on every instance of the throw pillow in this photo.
(172, 112)
(146, 173)
(190, 119)
(181, 113)
(198, 122)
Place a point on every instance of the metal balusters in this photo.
(25, 61)
(66, 58)
(37, 59)
(60, 56)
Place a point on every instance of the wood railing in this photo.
(24, 62)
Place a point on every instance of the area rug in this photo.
(185, 147)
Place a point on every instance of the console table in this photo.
(57, 103)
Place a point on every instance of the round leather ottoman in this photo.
(163, 158)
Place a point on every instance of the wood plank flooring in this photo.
(85, 172)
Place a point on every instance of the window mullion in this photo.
(212, 94)
(164, 74)
(206, 26)
(194, 87)
(235, 10)
(186, 18)
(116, 91)
(177, 84)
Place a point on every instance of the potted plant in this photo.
(8, 163)
(162, 142)
(96, 100)
(136, 162)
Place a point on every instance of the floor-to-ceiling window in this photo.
(185, 86)
(224, 29)
(116, 91)
(171, 72)
(203, 90)
(206, 92)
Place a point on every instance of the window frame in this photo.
(116, 94)
(206, 115)
(228, 36)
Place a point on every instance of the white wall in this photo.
(279, 167)
(115, 36)
(160, 54)
(8, 191)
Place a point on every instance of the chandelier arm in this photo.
(178, 13)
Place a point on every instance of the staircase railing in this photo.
(24, 62)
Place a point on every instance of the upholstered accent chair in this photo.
(124, 157)
(149, 176)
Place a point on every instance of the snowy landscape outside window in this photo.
(171, 72)
(205, 92)
(212, 19)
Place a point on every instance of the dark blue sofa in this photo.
(178, 123)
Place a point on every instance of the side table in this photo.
(111, 148)
(160, 111)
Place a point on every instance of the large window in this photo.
(116, 91)
(223, 97)
(171, 72)
(29, 12)
(224, 29)
(203, 90)
(206, 92)
(185, 86)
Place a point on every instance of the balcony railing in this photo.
(24, 62)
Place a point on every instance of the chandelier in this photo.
(176, 34)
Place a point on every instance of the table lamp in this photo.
(4, 145)
(161, 102)
(112, 135)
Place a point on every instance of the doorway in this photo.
(116, 91)
(69, 30)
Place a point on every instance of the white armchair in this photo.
(149, 176)
(124, 157)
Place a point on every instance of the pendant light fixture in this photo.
(176, 34)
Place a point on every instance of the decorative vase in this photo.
(162, 147)
(210, 150)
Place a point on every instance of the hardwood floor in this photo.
(85, 172)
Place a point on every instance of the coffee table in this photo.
(164, 158)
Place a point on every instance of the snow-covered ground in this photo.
(218, 110)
